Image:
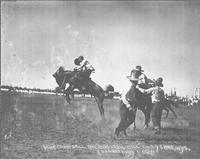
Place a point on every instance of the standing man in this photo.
(127, 106)
(142, 78)
(157, 98)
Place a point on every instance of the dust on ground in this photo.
(56, 129)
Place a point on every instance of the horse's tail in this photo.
(175, 104)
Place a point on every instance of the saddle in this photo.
(82, 76)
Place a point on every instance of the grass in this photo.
(47, 119)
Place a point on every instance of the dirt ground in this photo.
(51, 128)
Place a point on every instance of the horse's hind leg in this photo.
(173, 112)
(167, 112)
(100, 106)
(69, 91)
(125, 134)
(147, 118)
(67, 96)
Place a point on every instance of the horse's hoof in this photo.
(68, 102)
(125, 134)
(156, 132)
(114, 137)
(145, 127)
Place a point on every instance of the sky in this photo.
(162, 36)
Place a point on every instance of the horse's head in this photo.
(58, 75)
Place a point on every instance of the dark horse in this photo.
(144, 102)
(167, 106)
(85, 86)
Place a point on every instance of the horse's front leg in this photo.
(66, 92)
(69, 91)
(173, 112)
(147, 118)
(134, 112)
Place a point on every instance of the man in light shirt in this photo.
(127, 106)
(157, 99)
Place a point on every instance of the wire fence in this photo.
(49, 91)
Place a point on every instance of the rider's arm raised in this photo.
(82, 64)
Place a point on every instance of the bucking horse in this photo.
(76, 81)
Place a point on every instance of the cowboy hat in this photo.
(80, 58)
(139, 68)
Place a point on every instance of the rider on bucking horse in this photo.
(83, 69)
(84, 66)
